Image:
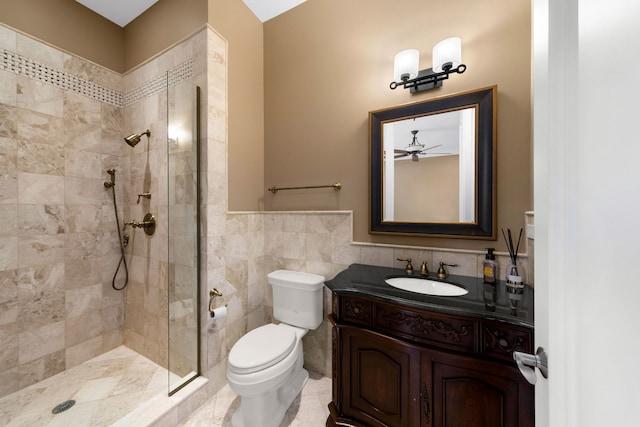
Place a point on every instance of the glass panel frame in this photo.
(183, 184)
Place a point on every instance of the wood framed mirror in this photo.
(433, 167)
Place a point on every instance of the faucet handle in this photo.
(442, 273)
(409, 267)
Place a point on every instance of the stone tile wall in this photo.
(319, 243)
(159, 262)
(62, 120)
(57, 252)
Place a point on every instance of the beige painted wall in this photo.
(440, 201)
(243, 32)
(329, 62)
(162, 25)
(70, 26)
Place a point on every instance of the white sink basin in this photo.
(427, 287)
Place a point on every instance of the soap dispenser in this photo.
(490, 268)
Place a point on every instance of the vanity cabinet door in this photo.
(468, 392)
(380, 379)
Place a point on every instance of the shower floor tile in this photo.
(105, 389)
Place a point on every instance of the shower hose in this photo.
(123, 260)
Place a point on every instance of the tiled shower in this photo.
(62, 120)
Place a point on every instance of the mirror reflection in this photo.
(438, 152)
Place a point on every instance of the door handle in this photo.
(528, 362)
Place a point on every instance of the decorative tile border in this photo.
(20, 65)
(173, 76)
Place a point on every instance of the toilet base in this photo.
(269, 409)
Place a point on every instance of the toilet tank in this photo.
(297, 298)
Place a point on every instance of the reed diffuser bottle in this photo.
(513, 275)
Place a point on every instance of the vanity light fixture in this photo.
(447, 59)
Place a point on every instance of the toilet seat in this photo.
(261, 348)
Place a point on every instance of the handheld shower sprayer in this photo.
(109, 184)
(124, 240)
(133, 139)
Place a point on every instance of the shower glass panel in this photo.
(183, 191)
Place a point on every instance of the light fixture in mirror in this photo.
(172, 136)
(433, 167)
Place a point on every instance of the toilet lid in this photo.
(261, 348)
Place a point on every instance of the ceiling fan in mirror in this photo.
(414, 149)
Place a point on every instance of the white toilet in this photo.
(265, 365)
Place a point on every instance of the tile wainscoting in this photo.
(318, 242)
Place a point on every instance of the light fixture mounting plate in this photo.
(427, 85)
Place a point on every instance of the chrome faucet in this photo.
(442, 273)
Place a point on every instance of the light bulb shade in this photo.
(448, 51)
(405, 64)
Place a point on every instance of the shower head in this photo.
(133, 139)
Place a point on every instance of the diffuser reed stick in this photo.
(513, 250)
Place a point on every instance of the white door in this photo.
(586, 93)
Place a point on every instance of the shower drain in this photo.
(63, 406)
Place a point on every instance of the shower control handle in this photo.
(148, 224)
(145, 195)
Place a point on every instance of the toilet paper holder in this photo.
(213, 293)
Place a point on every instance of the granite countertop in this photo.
(483, 300)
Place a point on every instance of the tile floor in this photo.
(105, 388)
(110, 386)
(308, 410)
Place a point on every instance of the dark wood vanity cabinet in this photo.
(398, 366)
(379, 384)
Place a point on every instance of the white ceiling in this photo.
(122, 12)
(267, 9)
(439, 133)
